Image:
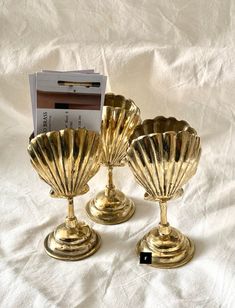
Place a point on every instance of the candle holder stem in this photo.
(110, 187)
(70, 208)
(110, 177)
(71, 220)
(164, 227)
(163, 212)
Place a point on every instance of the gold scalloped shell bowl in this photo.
(120, 117)
(66, 160)
(163, 155)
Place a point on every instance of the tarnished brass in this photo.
(120, 117)
(67, 160)
(163, 155)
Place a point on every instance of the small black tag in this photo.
(145, 257)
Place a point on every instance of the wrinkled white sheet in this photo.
(173, 58)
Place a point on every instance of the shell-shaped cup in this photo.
(66, 159)
(163, 155)
(120, 117)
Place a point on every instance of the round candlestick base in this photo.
(76, 242)
(110, 210)
(168, 250)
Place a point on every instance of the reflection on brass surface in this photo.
(67, 160)
(163, 155)
(120, 117)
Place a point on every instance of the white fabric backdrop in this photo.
(172, 58)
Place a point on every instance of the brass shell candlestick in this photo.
(67, 160)
(120, 117)
(163, 155)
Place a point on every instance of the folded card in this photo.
(67, 99)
